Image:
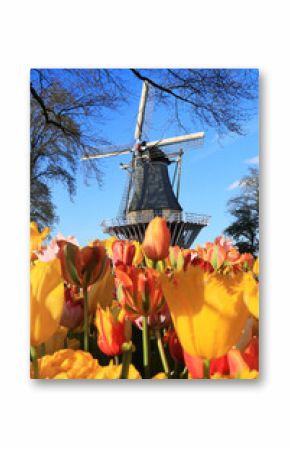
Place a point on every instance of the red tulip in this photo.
(174, 346)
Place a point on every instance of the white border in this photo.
(122, 34)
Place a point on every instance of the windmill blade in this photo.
(141, 112)
(107, 154)
(175, 140)
(174, 154)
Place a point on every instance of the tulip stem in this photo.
(42, 349)
(33, 355)
(162, 352)
(126, 359)
(86, 320)
(116, 360)
(145, 341)
(206, 369)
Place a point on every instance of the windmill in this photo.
(150, 192)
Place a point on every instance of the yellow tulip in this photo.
(68, 364)
(252, 295)
(114, 372)
(108, 243)
(102, 292)
(256, 267)
(245, 375)
(207, 309)
(139, 256)
(46, 300)
(37, 237)
(160, 376)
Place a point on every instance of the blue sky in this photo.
(210, 174)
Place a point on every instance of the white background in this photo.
(158, 34)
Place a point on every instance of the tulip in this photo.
(256, 268)
(234, 365)
(51, 251)
(110, 323)
(237, 363)
(139, 291)
(123, 252)
(251, 354)
(73, 311)
(81, 266)
(157, 239)
(68, 364)
(156, 320)
(103, 291)
(207, 309)
(46, 300)
(36, 237)
(160, 376)
(179, 258)
(114, 372)
(245, 375)
(222, 256)
(252, 295)
(195, 366)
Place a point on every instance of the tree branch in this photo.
(162, 88)
(45, 111)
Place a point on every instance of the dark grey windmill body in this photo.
(150, 191)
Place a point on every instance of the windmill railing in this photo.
(147, 216)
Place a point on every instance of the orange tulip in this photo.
(82, 266)
(110, 323)
(157, 239)
(123, 252)
(139, 291)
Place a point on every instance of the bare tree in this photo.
(66, 108)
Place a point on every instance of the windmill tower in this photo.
(150, 192)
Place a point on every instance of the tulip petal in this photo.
(207, 310)
(46, 300)
(252, 295)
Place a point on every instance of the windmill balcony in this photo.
(184, 227)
